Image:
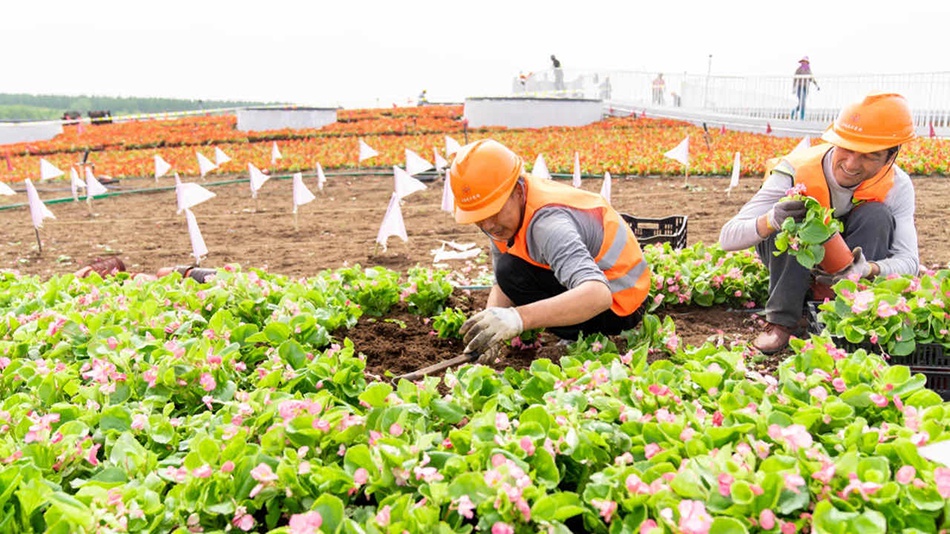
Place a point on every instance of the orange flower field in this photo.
(622, 146)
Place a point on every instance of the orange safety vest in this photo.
(619, 257)
(805, 167)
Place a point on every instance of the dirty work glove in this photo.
(783, 210)
(859, 268)
(489, 328)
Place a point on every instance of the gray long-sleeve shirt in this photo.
(740, 231)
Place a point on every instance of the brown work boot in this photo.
(773, 339)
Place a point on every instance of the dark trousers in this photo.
(525, 283)
(869, 225)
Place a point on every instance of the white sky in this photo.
(360, 53)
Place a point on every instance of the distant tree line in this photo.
(19, 107)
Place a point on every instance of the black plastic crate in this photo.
(670, 229)
(929, 359)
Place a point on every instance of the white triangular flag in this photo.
(393, 225)
(321, 178)
(440, 162)
(205, 165)
(681, 152)
(605, 189)
(302, 195)
(366, 151)
(274, 154)
(38, 210)
(805, 143)
(257, 179)
(451, 146)
(448, 198)
(735, 172)
(75, 184)
(936, 452)
(220, 158)
(198, 247)
(161, 167)
(540, 168)
(190, 194)
(415, 163)
(48, 170)
(93, 187)
(405, 184)
(6, 190)
(577, 170)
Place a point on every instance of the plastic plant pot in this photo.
(837, 255)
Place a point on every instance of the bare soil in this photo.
(139, 224)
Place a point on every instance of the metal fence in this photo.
(769, 97)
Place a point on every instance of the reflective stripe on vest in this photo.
(805, 167)
(619, 257)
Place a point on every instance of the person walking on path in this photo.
(558, 74)
(853, 173)
(563, 258)
(800, 85)
(659, 87)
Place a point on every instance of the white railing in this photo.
(769, 97)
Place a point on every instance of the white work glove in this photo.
(859, 268)
(484, 332)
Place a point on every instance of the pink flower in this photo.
(651, 450)
(767, 519)
(207, 382)
(382, 516)
(725, 484)
(501, 422)
(466, 507)
(693, 517)
(202, 472)
(636, 486)
(878, 399)
(647, 526)
(502, 528)
(789, 528)
(885, 310)
(242, 519)
(527, 445)
(395, 429)
(306, 523)
(264, 475)
(906, 474)
(839, 385)
(793, 482)
(227, 466)
(606, 508)
(93, 451)
(360, 476)
(942, 479)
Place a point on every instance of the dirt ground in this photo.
(139, 224)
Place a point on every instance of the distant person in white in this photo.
(855, 174)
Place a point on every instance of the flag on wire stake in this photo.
(734, 182)
(220, 158)
(393, 224)
(804, 144)
(6, 190)
(540, 168)
(321, 178)
(681, 154)
(415, 163)
(605, 188)
(302, 195)
(257, 179)
(405, 184)
(198, 247)
(205, 165)
(38, 211)
(366, 151)
(448, 198)
(577, 169)
(190, 194)
(75, 184)
(451, 146)
(93, 188)
(440, 162)
(161, 167)
(48, 170)
(275, 154)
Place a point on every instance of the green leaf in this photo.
(727, 525)
(557, 507)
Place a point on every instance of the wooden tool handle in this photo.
(441, 366)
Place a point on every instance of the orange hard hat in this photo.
(482, 176)
(879, 122)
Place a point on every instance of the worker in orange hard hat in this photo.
(854, 173)
(563, 258)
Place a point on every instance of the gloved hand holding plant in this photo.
(803, 238)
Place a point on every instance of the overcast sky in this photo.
(358, 53)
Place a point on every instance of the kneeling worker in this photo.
(564, 260)
(854, 173)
